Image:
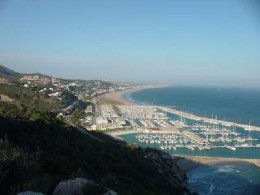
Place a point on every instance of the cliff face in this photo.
(166, 165)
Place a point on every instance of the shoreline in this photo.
(118, 96)
(187, 163)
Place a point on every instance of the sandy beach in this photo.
(187, 163)
(117, 97)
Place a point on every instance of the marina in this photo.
(154, 125)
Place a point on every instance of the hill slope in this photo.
(8, 73)
(37, 151)
(38, 78)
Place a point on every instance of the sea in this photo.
(235, 105)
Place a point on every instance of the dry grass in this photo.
(5, 98)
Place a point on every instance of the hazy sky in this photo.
(189, 42)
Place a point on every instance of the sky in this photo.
(181, 42)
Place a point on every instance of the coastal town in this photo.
(100, 106)
(97, 107)
(103, 108)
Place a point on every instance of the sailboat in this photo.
(249, 133)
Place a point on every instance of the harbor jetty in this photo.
(208, 120)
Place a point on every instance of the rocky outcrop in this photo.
(81, 186)
(166, 165)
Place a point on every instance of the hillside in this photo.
(9, 74)
(38, 78)
(37, 151)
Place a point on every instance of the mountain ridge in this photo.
(11, 75)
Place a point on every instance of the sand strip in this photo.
(187, 163)
(117, 98)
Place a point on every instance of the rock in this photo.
(110, 192)
(71, 186)
(81, 186)
(166, 165)
(30, 193)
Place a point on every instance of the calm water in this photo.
(238, 105)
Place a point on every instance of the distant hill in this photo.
(8, 73)
(11, 75)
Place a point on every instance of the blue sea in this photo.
(236, 105)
